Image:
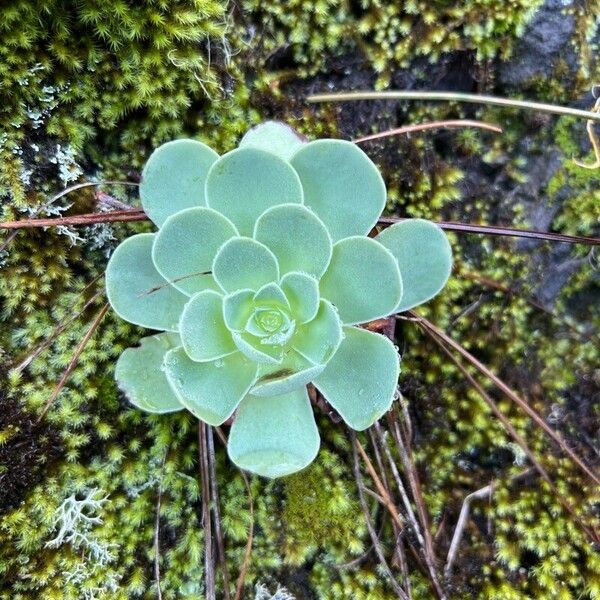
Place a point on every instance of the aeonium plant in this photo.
(259, 276)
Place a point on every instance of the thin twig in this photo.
(400, 593)
(136, 214)
(217, 511)
(520, 441)
(464, 515)
(209, 565)
(415, 486)
(79, 186)
(449, 124)
(510, 394)
(74, 360)
(8, 240)
(248, 550)
(380, 487)
(503, 231)
(399, 547)
(157, 529)
(453, 97)
(412, 519)
(60, 327)
(593, 140)
(110, 216)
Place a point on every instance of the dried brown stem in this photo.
(504, 231)
(59, 328)
(415, 486)
(449, 124)
(464, 516)
(72, 364)
(515, 436)
(400, 593)
(209, 565)
(510, 393)
(412, 519)
(132, 214)
(135, 214)
(248, 550)
(380, 487)
(157, 529)
(217, 511)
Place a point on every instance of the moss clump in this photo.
(391, 35)
(96, 85)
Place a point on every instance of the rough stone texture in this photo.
(547, 39)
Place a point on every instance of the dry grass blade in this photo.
(510, 394)
(453, 97)
(157, 529)
(593, 140)
(380, 487)
(74, 359)
(248, 550)
(111, 216)
(86, 184)
(504, 231)
(515, 436)
(412, 519)
(209, 565)
(449, 124)
(62, 326)
(484, 492)
(135, 214)
(217, 511)
(400, 593)
(415, 486)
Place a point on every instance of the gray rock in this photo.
(546, 39)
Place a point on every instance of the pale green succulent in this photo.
(258, 275)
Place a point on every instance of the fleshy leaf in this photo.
(211, 391)
(274, 137)
(302, 292)
(174, 178)
(297, 237)
(137, 291)
(254, 350)
(362, 281)
(361, 378)
(237, 308)
(319, 339)
(342, 185)
(186, 245)
(295, 371)
(204, 334)
(244, 263)
(274, 436)
(243, 183)
(424, 256)
(271, 293)
(140, 376)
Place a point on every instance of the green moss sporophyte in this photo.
(258, 276)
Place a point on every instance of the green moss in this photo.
(109, 81)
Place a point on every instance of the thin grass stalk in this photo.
(209, 564)
(74, 360)
(400, 593)
(454, 97)
(519, 440)
(214, 492)
(448, 124)
(510, 393)
(412, 519)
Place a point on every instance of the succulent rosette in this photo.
(259, 276)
